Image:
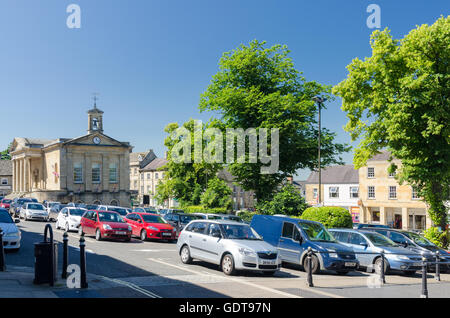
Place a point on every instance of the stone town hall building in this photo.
(93, 168)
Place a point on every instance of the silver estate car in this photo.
(231, 245)
(33, 211)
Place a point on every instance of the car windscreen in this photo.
(119, 210)
(233, 218)
(6, 201)
(317, 232)
(110, 217)
(379, 240)
(5, 217)
(76, 212)
(419, 240)
(148, 210)
(32, 206)
(91, 207)
(240, 232)
(52, 204)
(185, 219)
(153, 219)
(22, 201)
(214, 217)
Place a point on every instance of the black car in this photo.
(179, 220)
(415, 241)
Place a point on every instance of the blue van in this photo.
(292, 237)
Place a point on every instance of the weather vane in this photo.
(95, 98)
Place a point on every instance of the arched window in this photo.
(114, 203)
(97, 202)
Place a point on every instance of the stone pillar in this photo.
(382, 215)
(14, 183)
(105, 172)
(22, 176)
(88, 172)
(69, 171)
(405, 219)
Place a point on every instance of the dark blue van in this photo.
(293, 236)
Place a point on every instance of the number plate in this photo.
(417, 264)
(350, 264)
(121, 233)
(167, 234)
(268, 263)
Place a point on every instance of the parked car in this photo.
(364, 241)
(179, 220)
(208, 216)
(33, 211)
(357, 226)
(150, 226)
(144, 210)
(293, 236)
(230, 217)
(418, 243)
(120, 210)
(11, 234)
(17, 204)
(166, 211)
(104, 225)
(54, 211)
(5, 204)
(48, 205)
(69, 218)
(232, 245)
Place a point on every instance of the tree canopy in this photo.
(398, 99)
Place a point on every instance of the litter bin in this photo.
(45, 259)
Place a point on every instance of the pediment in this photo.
(96, 139)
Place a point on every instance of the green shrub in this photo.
(202, 209)
(434, 235)
(330, 217)
(287, 201)
(246, 215)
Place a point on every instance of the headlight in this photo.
(12, 234)
(333, 255)
(246, 252)
(402, 257)
(152, 228)
(107, 227)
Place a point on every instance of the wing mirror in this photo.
(217, 234)
(405, 244)
(16, 220)
(363, 244)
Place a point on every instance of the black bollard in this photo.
(65, 254)
(382, 274)
(424, 279)
(438, 270)
(309, 258)
(48, 228)
(83, 280)
(2, 254)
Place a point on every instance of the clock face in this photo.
(96, 140)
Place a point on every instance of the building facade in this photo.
(385, 201)
(241, 199)
(339, 187)
(93, 168)
(5, 177)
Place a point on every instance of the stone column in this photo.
(382, 215)
(88, 172)
(22, 176)
(405, 219)
(14, 183)
(105, 173)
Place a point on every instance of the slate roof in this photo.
(6, 168)
(155, 164)
(335, 175)
(383, 156)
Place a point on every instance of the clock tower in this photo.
(95, 119)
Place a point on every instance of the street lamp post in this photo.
(319, 100)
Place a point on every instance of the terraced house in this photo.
(383, 200)
(93, 168)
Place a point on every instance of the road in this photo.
(148, 269)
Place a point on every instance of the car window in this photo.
(76, 212)
(152, 218)
(175, 217)
(168, 217)
(382, 232)
(189, 227)
(357, 239)
(213, 228)
(110, 217)
(199, 227)
(316, 232)
(131, 217)
(288, 230)
(397, 237)
(341, 236)
(33, 206)
(380, 240)
(297, 235)
(63, 211)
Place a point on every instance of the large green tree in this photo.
(258, 87)
(4, 155)
(287, 200)
(217, 195)
(398, 99)
(185, 181)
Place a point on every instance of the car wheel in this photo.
(315, 265)
(186, 255)
(378, 265)
(143, 235)
(98, 235)
(67, 227)
(228, 265)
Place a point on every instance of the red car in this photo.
(5, 203)
(152, 226)
(104, 225)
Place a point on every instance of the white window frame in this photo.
(97, 166)
(370, 170)
(392, 192)
(315, 193)
(352, 192)
(113, 173)
(414, 194)
(369, 192)
(333, 192)
(78, 172)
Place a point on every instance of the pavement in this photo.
(153, 269)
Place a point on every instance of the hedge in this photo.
(330, 217)
(436, 236)
(247, 216)
(202, 209)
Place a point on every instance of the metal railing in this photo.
(424, 265)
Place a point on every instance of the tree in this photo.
(259, 87)
(287, 201)
(217, 195)
(185, 181)
(4, 155)
(329, 216)
(399, 99)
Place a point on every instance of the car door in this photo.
(89, 226)
(197, 240)
(289, 245)
(356, 242)
(131, 220)
(213, 243)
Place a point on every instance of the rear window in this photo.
(33, 206)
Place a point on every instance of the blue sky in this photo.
(151, 59)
